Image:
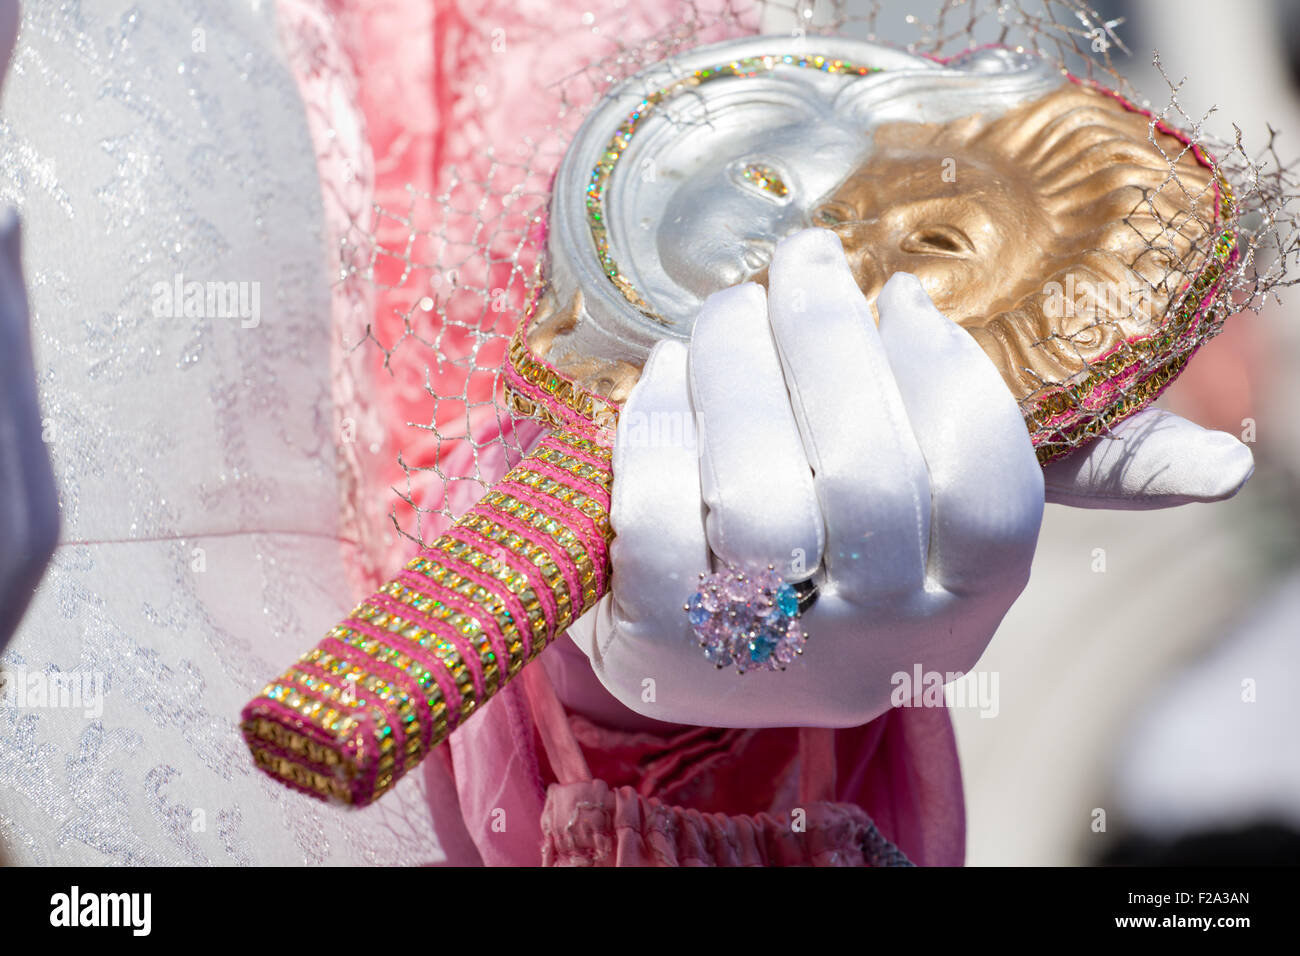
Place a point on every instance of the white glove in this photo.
(896, 455)
(1153, 460)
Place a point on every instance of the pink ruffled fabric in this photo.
(422, 88)
(678, 807)
(901, 772)
(588, 824)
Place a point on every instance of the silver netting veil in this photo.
(464, 261)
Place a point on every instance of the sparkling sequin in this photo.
(766, 178)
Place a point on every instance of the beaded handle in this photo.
(415, 659)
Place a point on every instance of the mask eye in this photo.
(831, 214)
(758, 254)
(765, 179)
(938, 241)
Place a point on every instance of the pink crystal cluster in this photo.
(749, 620)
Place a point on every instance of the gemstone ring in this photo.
(749, 620)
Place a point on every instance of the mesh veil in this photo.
(450, 271)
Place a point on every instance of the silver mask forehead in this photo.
(686, 176)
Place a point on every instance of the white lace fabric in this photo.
(194, 454)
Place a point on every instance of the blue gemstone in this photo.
(697, 613)
(787, 600)
(761, 646)
(720, 656)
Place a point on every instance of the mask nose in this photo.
(861, 241)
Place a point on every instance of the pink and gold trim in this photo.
(421, 654)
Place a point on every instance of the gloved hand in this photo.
(894, 456)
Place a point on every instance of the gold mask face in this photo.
(1052, 234)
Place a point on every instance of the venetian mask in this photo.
(1072, 235)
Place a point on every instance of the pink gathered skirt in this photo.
(587, 822)
(537, 785)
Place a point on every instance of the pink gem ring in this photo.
(749, 620)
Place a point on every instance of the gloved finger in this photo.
(1154, 459)
(986, 484)
(868, 469)
(757, 485)
(656, 509)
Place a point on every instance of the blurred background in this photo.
(1145, 713)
